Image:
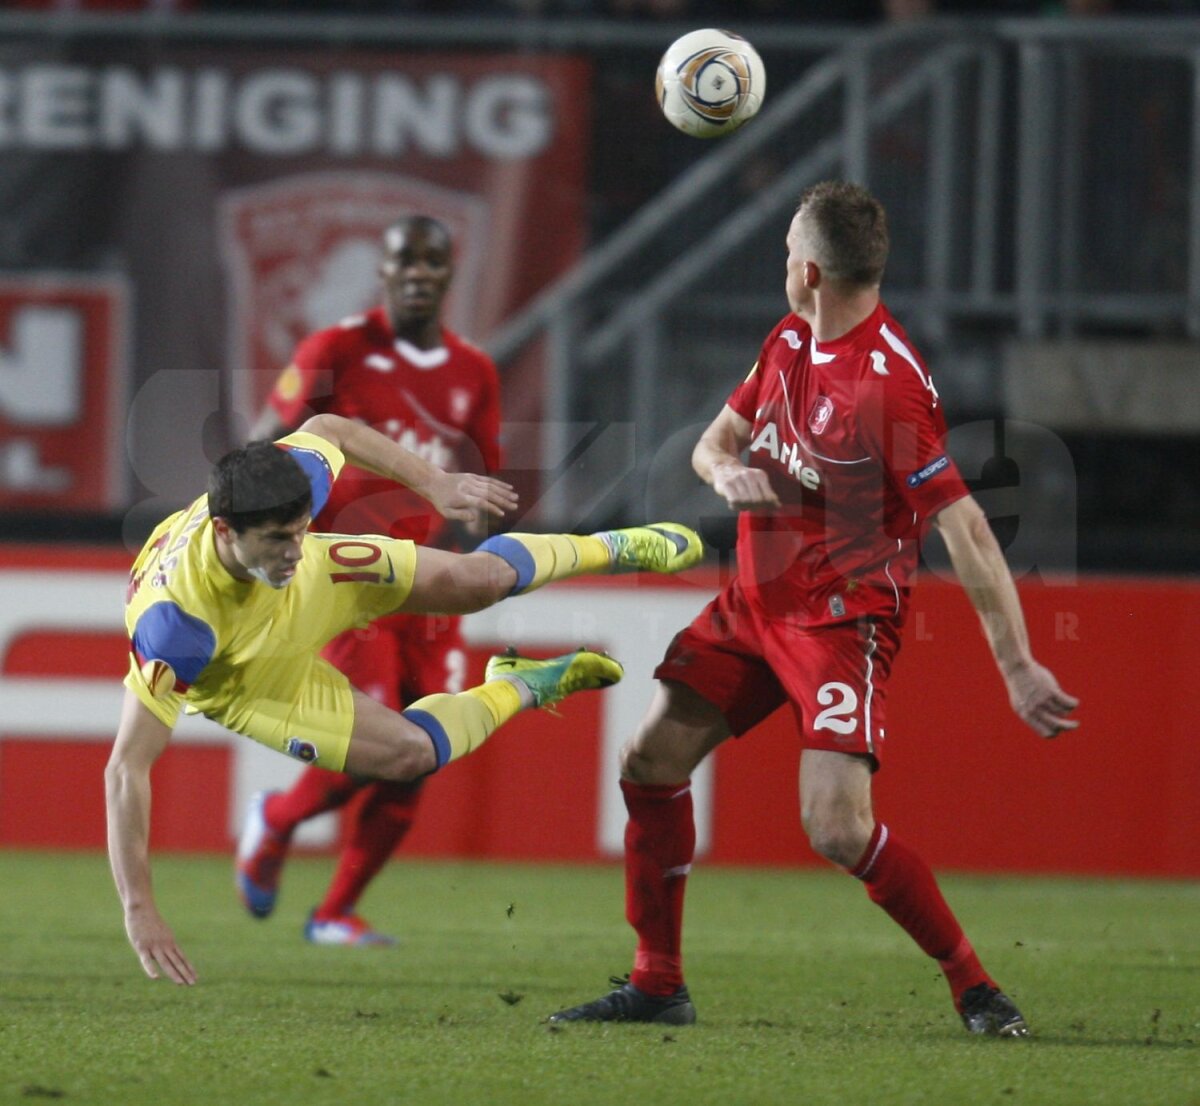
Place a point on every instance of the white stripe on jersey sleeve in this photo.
(900, 348)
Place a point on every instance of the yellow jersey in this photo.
(244, 653)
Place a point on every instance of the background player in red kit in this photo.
(846, 468)
(399, 370)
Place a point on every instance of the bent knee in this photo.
(839, 837)
(679, 731)
(410, 758)
(484, 581)
(646, 767)
(656, 759)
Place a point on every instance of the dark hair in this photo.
(427, 223)
(258, 484)
(850, 228)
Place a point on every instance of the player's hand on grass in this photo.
(156, 947)
(466, 496)
(744, 488)
(1039, 701)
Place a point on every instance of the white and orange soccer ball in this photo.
(710, 82)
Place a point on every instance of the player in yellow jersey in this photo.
(231, 600)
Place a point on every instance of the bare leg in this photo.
(678, 731)
(385, 745)
(457, 583)
(835, 804)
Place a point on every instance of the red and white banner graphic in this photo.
(1116, 797)
(62, 392)
(303, 253)
(239, 193)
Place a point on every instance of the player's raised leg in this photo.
(537, 559)
(440, 728)
(512, 564)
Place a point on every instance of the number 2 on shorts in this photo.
(837, 715)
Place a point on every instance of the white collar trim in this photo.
(818, 357)
(422, 358)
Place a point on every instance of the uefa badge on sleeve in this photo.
(159, 677)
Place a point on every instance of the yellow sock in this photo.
(540, 558)
(459, 724)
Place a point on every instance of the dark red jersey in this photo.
(443, 404)
(851, 434)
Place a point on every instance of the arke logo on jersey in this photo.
(379, 363)
(431, 449)
(788, 455)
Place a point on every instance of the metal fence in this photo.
(1042, 179)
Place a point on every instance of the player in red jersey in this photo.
(846, 468)
(400, 370)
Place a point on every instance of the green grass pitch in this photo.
(806, 993)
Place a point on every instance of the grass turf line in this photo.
(806, 993)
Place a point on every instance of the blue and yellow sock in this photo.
(539, 559)
(459, 724)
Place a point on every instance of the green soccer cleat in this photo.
(552, 680)
(661, 547)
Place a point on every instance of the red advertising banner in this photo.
(62, 393)
(1115, 797)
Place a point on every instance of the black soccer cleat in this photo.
(628, 1004)
(985, 1010)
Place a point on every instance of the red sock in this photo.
(315, 792)
(660, 840)
(902, 883)
(380, 823)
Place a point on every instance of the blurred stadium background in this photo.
(188, 188)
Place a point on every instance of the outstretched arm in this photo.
(983, 572)
(141, 738)
(717, 461)
(456, 495)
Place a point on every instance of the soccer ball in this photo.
(710, 82)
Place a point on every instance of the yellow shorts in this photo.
(306, 712)
(283, 694)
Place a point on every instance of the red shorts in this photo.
(747, 665)
(401, 658)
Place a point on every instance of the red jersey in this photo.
(851, 434)
(442, 404)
